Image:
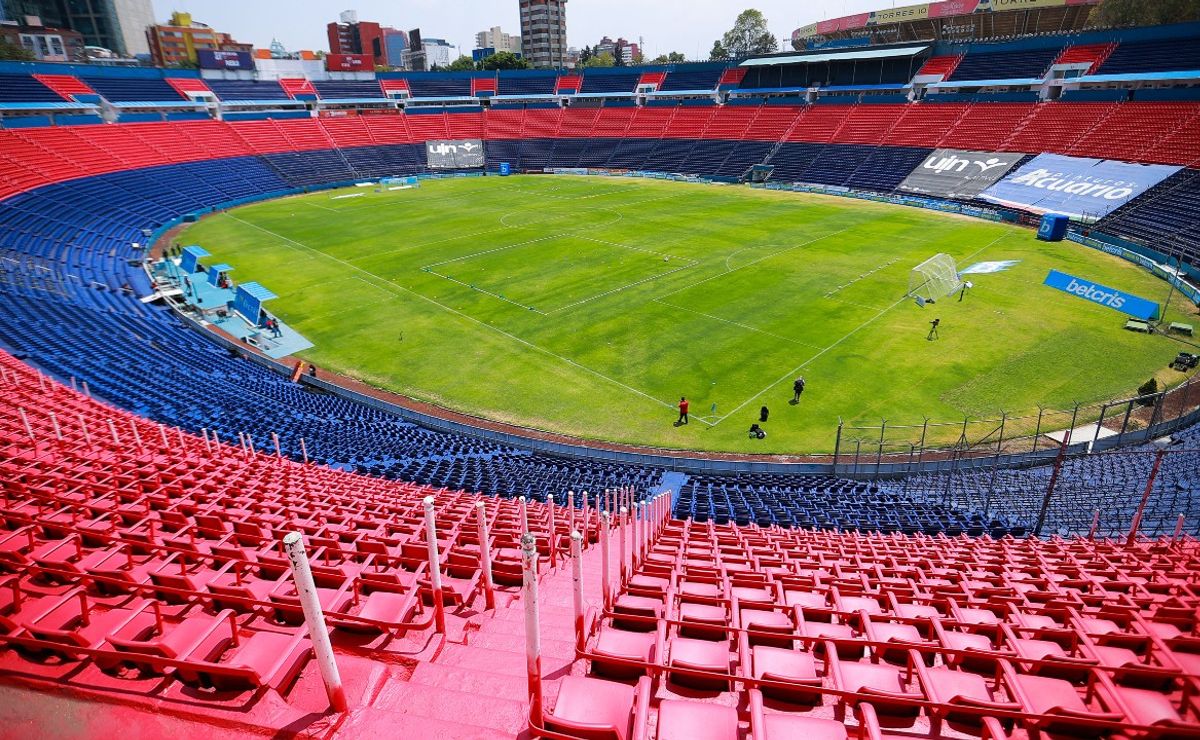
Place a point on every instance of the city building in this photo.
(349, 35)
(118, 25)
(497, 40)
(628, 50)
(544, 32)
(395, 47)
(438, 53)
(180, 40)
(45, 43)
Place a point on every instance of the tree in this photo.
(718, 52)
(504, 60)
(585, 55)
(1141, 13)
(14, 52)
(603, 59)
(749, 36)
(672, 58)
(619, 54)
(462, 64)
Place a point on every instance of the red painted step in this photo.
(185, 85)
(943, 66)
(297, 86)
(1095, 54)
(469, 680)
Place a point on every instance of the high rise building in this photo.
(352, 36)
(495, 38)
(544, 32)
(179, 40)
(437, 53)
(119, 25)
(627, 49)
(395, 44)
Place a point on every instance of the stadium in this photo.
(843, 392)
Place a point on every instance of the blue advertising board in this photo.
(211, 59)
(505, 169)
(1081, 188)
(1053, 227)
(1103, 295)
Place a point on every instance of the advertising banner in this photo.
(923, 11)
(1109, 297)
(953, 173)
(1084, 189)
(209, 59)
(455, 155)
(349, 63)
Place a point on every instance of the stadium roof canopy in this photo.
(836, 56)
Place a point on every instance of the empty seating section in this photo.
(1168, 214)
(132, 89)
(238, 90)
(22, 88)
(349, 89)
(683, 79)
(439, 87)
(66, 86)
(1004, 65)
(527, 85)
(621, 82)
(1090, 54)
(802, 634)
(939, 66)
(1152, 56)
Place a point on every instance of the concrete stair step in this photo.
(516, 644)
(469, 680)
(483, 709)
(484, 659)
(371, 724)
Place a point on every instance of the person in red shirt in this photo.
(683, 411)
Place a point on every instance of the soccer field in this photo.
(588, 306)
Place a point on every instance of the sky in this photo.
(688, 26)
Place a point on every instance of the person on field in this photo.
(797, 389)
(763, 413)
(683, 411)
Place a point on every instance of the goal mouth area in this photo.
(933, 279)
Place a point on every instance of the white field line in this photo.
(737, 324)
(391, 286)
(755, 262)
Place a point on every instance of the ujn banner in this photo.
(455, 155)
(953, 173)
(1104, 296)
(1084, 189)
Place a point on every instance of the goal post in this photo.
(935, 278)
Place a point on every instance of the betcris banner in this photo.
(1100, 294)
(1084, 189)
(954, 173)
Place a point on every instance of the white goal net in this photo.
(935, 278)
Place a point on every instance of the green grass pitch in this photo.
(588, 306)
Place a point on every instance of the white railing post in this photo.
(1095, 525)
(113, 428)
(635, 514)
(179, 437)
(137, 438)
(623, 524)
(524, 516)
(162, 435)
(577, 577)
(533, 637)
(28, 428)
(586, 519)
(87, 436)
(570, 511)
(435, 568)
(275, 439)
(87, 391)
(54, 424)
(553, 537)
(605, 579)
(1178, 528)
(314, 617)
(485, 555)
(303, 449)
